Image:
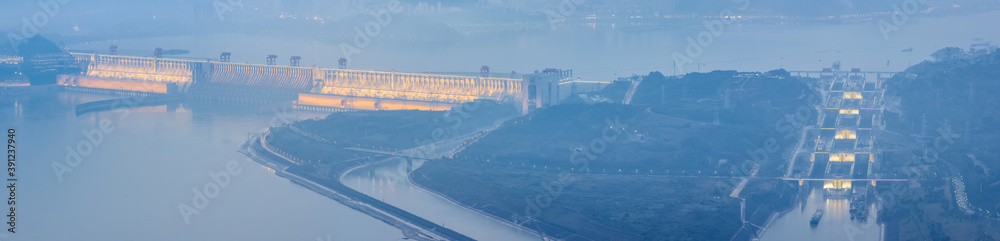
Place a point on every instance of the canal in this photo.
(836, 224)
(133, 181)
(387, 181)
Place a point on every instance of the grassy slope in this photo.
(671, 137)
(513, 163)
(959, 93)
(601, 207)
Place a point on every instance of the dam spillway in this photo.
(323, 89)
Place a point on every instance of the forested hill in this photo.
(638, 167)
(954, 98)
(703, 122)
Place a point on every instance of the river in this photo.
(603, 53)
(131, 186)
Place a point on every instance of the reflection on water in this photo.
(605, 53)
(386, 181)
(130, 185)
(836, 224)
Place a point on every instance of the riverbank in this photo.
(411, 225)
(456, 202)
(799, 199)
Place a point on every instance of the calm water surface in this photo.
(386, 181)
(836, 224)
(130, 186)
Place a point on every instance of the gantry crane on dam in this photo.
(313, 88)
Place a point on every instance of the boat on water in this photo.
(816, 217)
(859, 210)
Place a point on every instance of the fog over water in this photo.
(603, 53)
(130, 185)
(134, 195)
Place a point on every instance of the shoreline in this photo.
(444, 197)
(411, 226)
(478, 211)
(778, 214)
(775, 216)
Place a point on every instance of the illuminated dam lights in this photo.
(852, 95)
(873, 180)
(338, 82)
(849, 111)
(846, 134)
(842, 157)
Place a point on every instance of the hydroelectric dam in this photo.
(311, 88)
